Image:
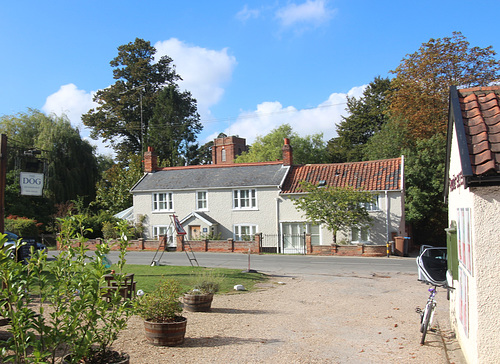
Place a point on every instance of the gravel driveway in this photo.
(311, 319)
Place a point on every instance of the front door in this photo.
(194, 232)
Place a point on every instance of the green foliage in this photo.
(163, 304)
(173, 128)
(425, 207)
(206, 281)
(79, 320)
(309, 149)
(60, 145)
(144, 105)
(421, 86)
(113, 191)
(390, 142)
(338, 208)
(367, 115)
(22, 226)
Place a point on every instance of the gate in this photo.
(283, 244)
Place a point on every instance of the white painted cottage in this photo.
(472, 189)
(227, 200)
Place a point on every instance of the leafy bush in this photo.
(22, 226)
(162, 305)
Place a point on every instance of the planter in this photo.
(166, 333)
(118, 358)
(198, 302)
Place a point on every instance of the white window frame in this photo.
(242, 201)
(203, 201)
(464, 238)
(373, 206)
(291, 228)
(239, 234)
(165, 204)
(357, 234)
(463, 299)
(162, 230)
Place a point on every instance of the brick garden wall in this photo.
(232, 246)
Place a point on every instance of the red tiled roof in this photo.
(480, 108)
(376, 175)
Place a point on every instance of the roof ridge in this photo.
(201, 166)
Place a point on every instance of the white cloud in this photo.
(312, 12)
(204, 71)
(269, 115)
(72, 102)
(244, 14)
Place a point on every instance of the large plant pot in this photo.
(123, 359)
(198, 302)
(166, 333)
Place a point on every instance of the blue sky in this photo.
(252, 65)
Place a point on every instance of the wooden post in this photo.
(3, 173)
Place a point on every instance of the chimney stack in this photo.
(150, 161)
(287, 153)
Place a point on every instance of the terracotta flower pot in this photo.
(198, 302)
(166, 333)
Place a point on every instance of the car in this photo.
(23, 251)
(432, 265)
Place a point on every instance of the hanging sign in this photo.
(178, 227)
(31, 184)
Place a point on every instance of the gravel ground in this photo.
(313, 319)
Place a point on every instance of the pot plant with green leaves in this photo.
(162, 314)
(200, 297)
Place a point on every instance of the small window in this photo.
(373, 206)
(244, 232)
(244, 199)
(223, 155)
(360, 234)
(163, 201)
(161, 230)
(201, 200)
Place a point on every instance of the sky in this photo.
(251, 65)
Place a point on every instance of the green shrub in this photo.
(22, 226)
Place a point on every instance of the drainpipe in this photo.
(278, 221)
(388, 218)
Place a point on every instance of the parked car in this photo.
(23, 251)
(432, 265)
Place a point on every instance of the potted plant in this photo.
(199, 299)
(162, 314)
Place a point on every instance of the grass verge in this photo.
(148, 277)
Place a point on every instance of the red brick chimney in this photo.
(287, 153)
(226, 149)
(150, 160)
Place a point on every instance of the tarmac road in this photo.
(278, 264)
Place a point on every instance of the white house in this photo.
(227, 200)
(472, 188)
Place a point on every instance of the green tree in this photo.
(48, 144)
(366, 117)
(338, 208)
(113, 190)
(309, 149)
(422, 80)
(425, 208)
(129, 111)
(389, 142)
(174, 125)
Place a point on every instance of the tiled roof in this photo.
(376, 175)
(480, 108)
(213, 176)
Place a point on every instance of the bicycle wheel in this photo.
(425, 322)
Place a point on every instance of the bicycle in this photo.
(427, 315)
